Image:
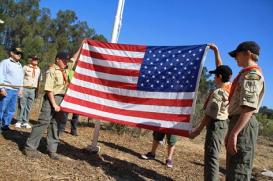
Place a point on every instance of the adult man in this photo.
(11, 82)
(55, 88)
(32, 76)
(245, 98)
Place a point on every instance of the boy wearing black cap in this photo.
(55, 88)
(216, 115)
(244, 101)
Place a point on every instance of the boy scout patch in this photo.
(252, 76)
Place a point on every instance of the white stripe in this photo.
(150, 122)
(107, 51)
(111, 64)
(129, 106)
(133, 93)
(100, 75)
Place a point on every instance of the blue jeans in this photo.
(8, 107)
(25, 103)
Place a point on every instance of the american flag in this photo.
(152, 87)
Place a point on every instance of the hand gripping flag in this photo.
(152, 87)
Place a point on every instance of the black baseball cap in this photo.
(63, 55)
(223, 70)
(252, 46)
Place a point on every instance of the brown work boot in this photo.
(32, 153)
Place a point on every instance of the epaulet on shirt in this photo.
(252, 75)
(50, 68)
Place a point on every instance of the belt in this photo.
(61, 95)
(235, 115)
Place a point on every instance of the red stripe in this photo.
(140, 114)
(132, 100)
(109, 83)
(154, 128)
(114, 46)
(115, 58)
(108, 70)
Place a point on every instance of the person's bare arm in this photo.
(218, 59)
(53, 102)
(206, 120)
(245, 116)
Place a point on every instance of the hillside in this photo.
(118, 159)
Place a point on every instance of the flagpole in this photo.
(94, 148)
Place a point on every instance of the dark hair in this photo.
(224, 78)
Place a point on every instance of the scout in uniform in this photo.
(215, 119)
(32, 76)
(75, 117)
(244, 101)
(50, 115)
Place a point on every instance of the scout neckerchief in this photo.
(226, 87)
(33, 69)
(236, 80)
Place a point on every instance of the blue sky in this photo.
(177, 22)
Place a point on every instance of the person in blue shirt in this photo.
(11, 82)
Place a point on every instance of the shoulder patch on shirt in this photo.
(252, 76)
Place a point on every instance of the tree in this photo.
(33, 29)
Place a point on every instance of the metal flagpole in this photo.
(94, 148)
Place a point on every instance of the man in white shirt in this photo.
(32, 76)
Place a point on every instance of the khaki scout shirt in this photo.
(249, 92)
(217, 107)
(55, 81)
(31, 81)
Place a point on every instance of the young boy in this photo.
(32, 76)
(158, 137)
(216, 115)
(244, 101)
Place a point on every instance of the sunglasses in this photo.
(18, 53)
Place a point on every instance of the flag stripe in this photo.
(122, 53)
(179, 132)
(162, 123)
(136, 93)
(125, 112)
(114, 46)
(108, 70)
(106, 63)
(131, 99)
(130, 106)
(111, 57)
(106, 76)
(108, 83)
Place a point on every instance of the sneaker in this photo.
(26, 125)
(169, 163)
(32, 153)
(18, 125)
(148, 156)
(6, 128)
(54, 156)
(74, 133)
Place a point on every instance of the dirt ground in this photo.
(117, 160)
